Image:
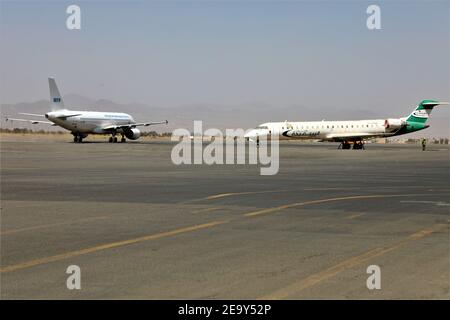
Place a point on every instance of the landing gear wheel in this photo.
(345, 145)
(110, 139)
(75, 139)
(358, 145)
(115, 139)
(123, 140)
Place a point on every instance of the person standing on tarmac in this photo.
(424, 144)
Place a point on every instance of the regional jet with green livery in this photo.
(349, 132)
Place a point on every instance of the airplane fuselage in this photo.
(88, 122)
(336, 130)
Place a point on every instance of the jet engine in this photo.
(132, 133)
(393, 124)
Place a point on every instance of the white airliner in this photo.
(348, 132)
(82, 123)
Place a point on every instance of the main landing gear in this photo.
(357, 145)
(345, 145)
(114, 139)
(77, 138)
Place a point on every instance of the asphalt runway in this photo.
(140, 227)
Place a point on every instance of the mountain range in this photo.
(216, 115)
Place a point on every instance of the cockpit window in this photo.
(262, 127)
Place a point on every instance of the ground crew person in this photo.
(424, 144)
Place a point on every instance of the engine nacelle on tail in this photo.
(393, 124)
(132, 134)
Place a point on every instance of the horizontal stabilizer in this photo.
(434, 103)
(29, 121)
(32, 114)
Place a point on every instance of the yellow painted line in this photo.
(106, 246)
(353, 216)
(206, 210)
(299, 204)
(331, 189)
(356, 188)
(112, 245)
(50, 225)
(222, 195)
(232, 194)
(328, 273)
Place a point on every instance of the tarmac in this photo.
(141, 227)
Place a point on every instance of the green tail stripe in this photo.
(420, 114)
(412, 118)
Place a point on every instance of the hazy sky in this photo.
(280, 53)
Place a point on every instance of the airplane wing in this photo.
(354, 136)
(64, 117)
(30, 121)
(133, 125)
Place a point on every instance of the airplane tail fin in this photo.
(56, 100)
(423, 110)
